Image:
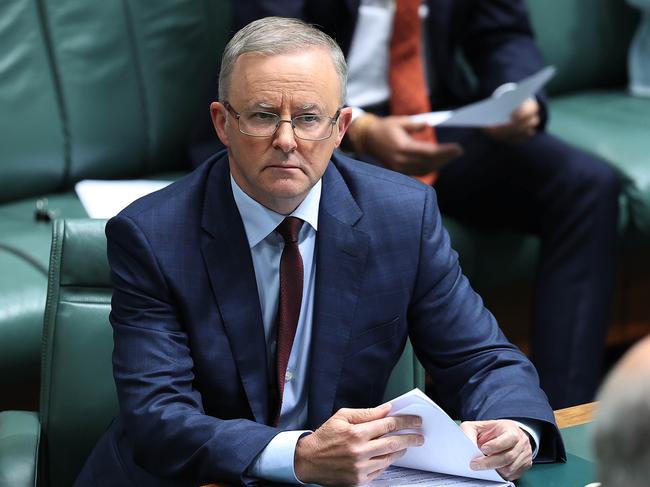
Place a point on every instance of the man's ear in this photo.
(219, 115)
(345, 118)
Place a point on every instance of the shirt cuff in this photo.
(533, 428)
(275, 462)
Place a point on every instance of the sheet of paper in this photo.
(105, 199)
(446, 448)
(397, 476)
(495, 110)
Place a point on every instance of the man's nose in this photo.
(284, 138)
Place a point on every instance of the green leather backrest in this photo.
(78, 397)
(586, 40)
(92, 89)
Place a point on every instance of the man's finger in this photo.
(517, 468)
(388, 445)
(381, 462)
(425, 157)
(502, 442)
(501, 460)
(383, 426)
(410, 126)
(358, 416)
(470, 431)
(431, 151)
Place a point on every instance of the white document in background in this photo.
(105, 199)
(446, 450)
(495, 110)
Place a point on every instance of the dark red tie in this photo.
(408, 89)
(291, 278)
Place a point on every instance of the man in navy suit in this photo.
(195, 269)
(513, 176)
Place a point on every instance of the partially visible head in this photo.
(278, 35)
(275, 70)
(622, 425)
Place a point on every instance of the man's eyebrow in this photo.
(263, 105)
(310, 106)
(270, 106)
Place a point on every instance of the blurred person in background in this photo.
(622, 425)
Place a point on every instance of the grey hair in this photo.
(622, 429)
(278, 35)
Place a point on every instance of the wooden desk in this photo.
(576, 415)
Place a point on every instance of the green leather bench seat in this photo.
(615, 126)
(102, 90)
(587, 41)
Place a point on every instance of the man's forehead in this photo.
(294, 62)
(301, 79)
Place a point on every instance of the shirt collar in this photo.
(259, 221)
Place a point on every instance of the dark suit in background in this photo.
(190, 359)
(542, 186)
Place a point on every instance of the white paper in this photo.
(397, 476)
(446, 448)
(105, 199)
(495, 110)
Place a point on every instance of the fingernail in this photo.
(474, 466)
(420, 440)
(418, 422)
(486, 451)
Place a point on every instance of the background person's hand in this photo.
(390, 141)
(348, 449)
(524, 122)
(506, 446)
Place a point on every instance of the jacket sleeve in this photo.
(477, 374)
(499, 44)
(152, 364)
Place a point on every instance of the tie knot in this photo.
(289, 229)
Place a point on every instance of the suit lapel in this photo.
(230, 267)
(341, 259)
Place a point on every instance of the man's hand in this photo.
(348, 449)
(506, 446)
(523, 124)
(390, 141)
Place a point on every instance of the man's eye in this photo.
(308, 119)
(263, 116)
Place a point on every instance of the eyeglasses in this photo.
(265, 124)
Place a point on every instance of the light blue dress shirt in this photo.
(275, 462)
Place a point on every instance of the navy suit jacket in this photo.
(190, 360)
(494, 37)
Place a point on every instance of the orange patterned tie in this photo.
(408, 89)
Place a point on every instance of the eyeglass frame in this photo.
(333, 121)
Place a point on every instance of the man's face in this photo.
(279, 171)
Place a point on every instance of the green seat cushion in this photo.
(19, 438)
(20, 231)
(24, 259)
(22, 301)
(614, 126)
